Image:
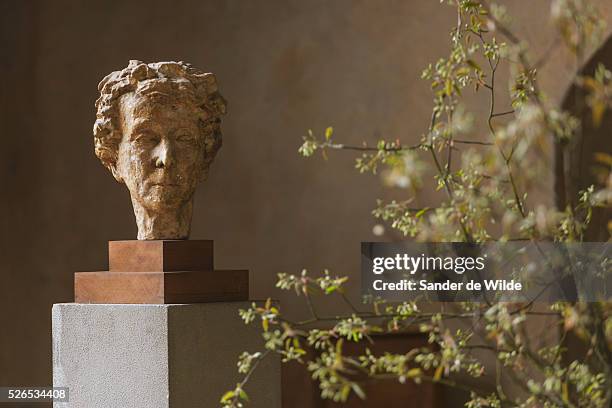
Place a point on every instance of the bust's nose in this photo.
(163, 154)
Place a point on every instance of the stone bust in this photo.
(158, 130)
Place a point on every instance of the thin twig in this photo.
(341, 146)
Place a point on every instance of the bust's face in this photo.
(161, 152)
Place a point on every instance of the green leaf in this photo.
(243, 395)
(413, 373)
(329, 132)
(339, 346)
(228, 396)
(474, 65)
(598, 110)
(438, 373)
(358, 390)
(344, 393)
(448, 87)
(420, 213)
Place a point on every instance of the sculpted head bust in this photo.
(158, 130)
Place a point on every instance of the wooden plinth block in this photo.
(164, 256)
(161, 287)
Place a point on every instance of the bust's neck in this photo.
(167, 224)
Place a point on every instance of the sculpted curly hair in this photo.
(168, 77)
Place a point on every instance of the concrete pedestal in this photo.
(172, 355)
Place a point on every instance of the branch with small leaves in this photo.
(486, 180)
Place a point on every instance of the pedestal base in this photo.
(133, 356)
(161, 287)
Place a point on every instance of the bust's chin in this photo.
(163, 217)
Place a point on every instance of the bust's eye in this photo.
(146, 138)
(185, 137)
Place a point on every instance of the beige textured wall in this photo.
(284, 67)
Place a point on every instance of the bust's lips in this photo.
(164, 184)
